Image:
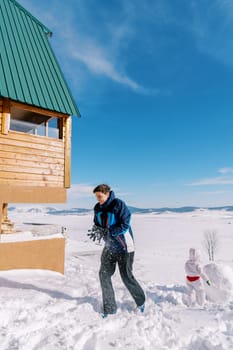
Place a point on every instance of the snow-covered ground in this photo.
(46, 310)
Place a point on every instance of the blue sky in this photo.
(153, 80)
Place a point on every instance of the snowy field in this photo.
(43, 310)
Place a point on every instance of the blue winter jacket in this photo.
(115, 215)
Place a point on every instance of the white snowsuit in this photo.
(194, 278)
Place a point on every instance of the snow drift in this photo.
(221, 276)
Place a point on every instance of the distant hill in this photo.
(162, 210)
(50, 210)
(134, 210)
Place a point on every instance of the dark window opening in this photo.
(34, 123)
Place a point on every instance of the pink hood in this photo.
(194, 254)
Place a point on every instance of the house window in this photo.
(34, 123)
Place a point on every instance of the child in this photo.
(194, 278)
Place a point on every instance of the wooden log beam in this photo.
(31, 194)
(37, 109)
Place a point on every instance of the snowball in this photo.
(221, 277)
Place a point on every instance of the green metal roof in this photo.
(29, 71)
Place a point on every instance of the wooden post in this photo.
(1, 216)
(5, 116)
(5, 212)
(67, 135)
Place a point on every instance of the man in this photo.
(112, 215)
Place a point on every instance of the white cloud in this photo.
(102, 60)
(224, 179)
(226, 171)
(96, 61)
(99, 57)
(79, 191)
(101, 66)
(99, 46)
(212, 193)
(80, 196)
(213, 181)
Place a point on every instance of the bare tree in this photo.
(211, 243)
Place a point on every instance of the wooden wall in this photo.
(46, 254)
(31, 160)
(33, 169)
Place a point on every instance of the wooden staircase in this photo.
(7, 226)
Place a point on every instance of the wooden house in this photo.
(36, 106)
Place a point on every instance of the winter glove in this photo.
(97, 233)
(208, 282)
